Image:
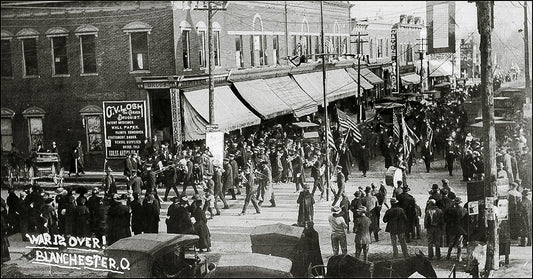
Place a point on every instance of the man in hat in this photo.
(447, 187)
(77, 165)
(227, 179)
(364, 159)
(396, 226)
(151, 213)
(407, 202)
(118, 220)
(434, 193)
(433, 222)
(137, 214)
(173, 215)
(338, 231)
(306, 203)
(515, 198)
(388, 152)
(128, 166)
(356, 203)
(450, 156)
(362, 233)
(218, 188)
(317, 172)
(251, 190)
(235, 172)
(136, 183)
(525, 219)
(108, 183)
(371, 204)
(341, 184)
(507, 163)
(345, 161)
(266, 190)
(427, 154)
(454, 218)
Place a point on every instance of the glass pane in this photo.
(36, 126)
(36, 139)
(185, 44)
(217, 48)
(6, 143)
(94, 124)
(7, 70)
(139, 42)
(95, 142)
(88, 45)
(7, 128)
(30, 56)
(60, 55)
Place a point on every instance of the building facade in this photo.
(60, 61)
(409, 42)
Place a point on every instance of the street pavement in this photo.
(230, 233)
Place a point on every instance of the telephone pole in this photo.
(526, 51)
(326, 122)
(211, 64)
(361, 115)
(485, 21)
(421, 52)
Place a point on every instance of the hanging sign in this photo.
(125, 127)
(440, 17)
(473, 208)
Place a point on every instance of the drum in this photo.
(393, 175)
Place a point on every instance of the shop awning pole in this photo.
(325, 100)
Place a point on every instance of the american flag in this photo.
(346, 122)
(395, 125)
(409, 139)
(429, 134)
(331, 141)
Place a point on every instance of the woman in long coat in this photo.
(200, 226)
(306, 206)
(50, 214)
(81, 224)
(70, 215)
(364, 156)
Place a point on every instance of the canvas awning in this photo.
(364, 83)
(410, 78)
(230, 113)
(339, 85)
(289, 91)
(440, 68)
(370, 76)
(261, 97)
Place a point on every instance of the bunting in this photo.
(331, 141)
(395, 125)
(346, 122)
(410, 139)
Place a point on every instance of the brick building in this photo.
(62, 59)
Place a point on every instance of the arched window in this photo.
(138, 34)
(201, 29)
(7, 67)
(258, 43)
(30, 65)
(87, 34)
(7, 128)
(35, 116)
(58, 41)
(305, 38)
(92, 122)
(336, 38)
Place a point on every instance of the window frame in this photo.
(34, 113)
(10, 58)
(87, 133)
(24, 66)
(7, 114)
(147, 68)
(53, 55)
(138, 27)
(239, 61)
(186, 49)
(275, 49)
(216, 44)
(87, 30)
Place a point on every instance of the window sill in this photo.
(33, 76)
(140, 72)
(88, 74)
(11, 78)
(61, 76)
(187, 70)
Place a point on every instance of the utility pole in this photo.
(286, 33)
(211, 64)
(421, 52)
(485, 24)
(326, 122)
(361, 116)
(526, 51)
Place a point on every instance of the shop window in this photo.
(186, 43)
(275, 49)
(7, 69)
(138, 35)
(59, 56)
(92, 122)
(87, 34)
(239, 61)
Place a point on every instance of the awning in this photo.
(440, 68)
(339, 85)
(410, 78)
(370, 76)
(230, 113)
(289, 91)
(260, 97)
(364, 83)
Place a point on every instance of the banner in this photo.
(440, 16)
(394, 58)
(125, 127)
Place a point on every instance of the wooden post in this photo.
(211, 64)
(485, 21)
(326, 122)
(526, 51)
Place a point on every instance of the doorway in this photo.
(161, 115)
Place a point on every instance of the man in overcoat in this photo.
(396, 226)
(525, 217)
(118, 221)
(151, 214)
(427, 154)
(251, 190)
(433, 222)
(454, 227)
(345, 161)
(407, 203)
(137, 214)
(364, 159)
(227, 179)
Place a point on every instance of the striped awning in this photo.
(364, 83)
(339, 85)
(230, 112)
(291, 94)
(261, 98)
(410, 78)
(370, 76)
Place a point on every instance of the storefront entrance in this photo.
(161, 116)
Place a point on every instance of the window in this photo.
(216, 45)
(59, 56)
(139, 50)
(35, 117)
(7, 69)
(275, 49)
(371, 47)
(29, 51)
(7, 128)
(92, 122)
(387, 48)
(380, 47)
(185, 40)
(263, 52)
(409, 54)
(88, 53)
(239, 61)
(201, 51)
(318, 43)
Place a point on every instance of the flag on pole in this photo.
(331, 141)
(409, 139)
(346, 122)
(395, 125)
(429, 135)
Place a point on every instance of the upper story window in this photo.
(239, 60)
(58, 41)
(7, 67)
(380, 48)
(7, 128)
(201, 29)
(371, 48)
(275, 49)
(87, 34)
(387, 48)
(216, 43)
(409, 56)
(186, 28)
(30, 65)
(138, 34)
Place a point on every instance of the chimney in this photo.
(410, 19)
(402, 19)
(417, 20)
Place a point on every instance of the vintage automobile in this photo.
(252, 265)
(153, 255)
(309, 131)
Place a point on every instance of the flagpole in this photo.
(325, 100)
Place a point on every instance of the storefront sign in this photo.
(125, 127)
(395, 78)
(440, 16)
(175, 105)
(473, 208)
(503, 209)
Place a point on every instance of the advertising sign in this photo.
(440, 16)
(473, 208)
(125, 127)
(503, 209)
(214, 140)
(394, 58)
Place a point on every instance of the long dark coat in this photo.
(137, 216)
(227, 177)
(306, 210)
(407, 203)
(151, 215)
(396, 220)
(200, 226)
(172, 221)
(50, 214)
(185, 225)
(345, 160)
(70, 218)
(81, 224)
(453, 217)
(364, 157)
(118, 222)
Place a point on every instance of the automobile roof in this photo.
(151, 243)
(305, 124)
